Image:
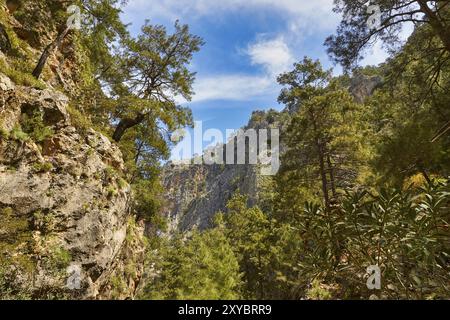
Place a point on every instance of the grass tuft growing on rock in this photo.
(18, 134)
(42, 167)
(35, 128)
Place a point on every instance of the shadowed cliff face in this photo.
(65, 197)
(195, 193)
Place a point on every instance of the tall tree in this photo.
(249, 231)
(100, 25)
(201, 266)
(157, 66)
(323, 138)
(355, 33)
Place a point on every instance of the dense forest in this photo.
(364, 179)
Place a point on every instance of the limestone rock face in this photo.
(363, 86)
(68, 193)
(194, 194)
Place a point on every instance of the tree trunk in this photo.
(323, 175)
(126, 124)
(332, 179)
(441, 132)
(424, 173)
(48, 51)
(435, 23)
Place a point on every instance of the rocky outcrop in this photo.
(194, 194)
(66, 205)
(363, 86)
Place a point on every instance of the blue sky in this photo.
(248, 43)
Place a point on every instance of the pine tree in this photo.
(201, 267)
(249, 229)
(324, 140)
(356, 32)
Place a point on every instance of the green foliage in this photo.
(20, 75)
(404, 232)
(33, 125)
(148, 202)
(79, 120)
(111, 191)
(355, 35)
(15, 238)
(61, 258)
(249, 229)
(44, 221)
(370, 174)
(18, 135)
(4, 135)
(408, 112)
(122, 183)
(324, 141)
(200, 267)
(42, 167)
(318, 292)
(8, 291)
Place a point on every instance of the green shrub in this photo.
(79, 120)
(318, 292)
(110, 173)
(21, 77)
(122, 183)
(44, 221)
(4, 135)
(61, 258)
(35, 128)
(111, 191)
(42, 167)
(8, 212)
(18, 135)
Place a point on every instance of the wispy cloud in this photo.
(238, 87)
(273, 55)
(317, 11)
(268, 55)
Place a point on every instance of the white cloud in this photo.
(310, 14)
(273, 54)
(231, 87)
(304, 18)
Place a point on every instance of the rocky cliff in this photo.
(64, 208)
(66, 226)
(195, 193)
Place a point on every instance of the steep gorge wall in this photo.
(66, 226)
(63, 203)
